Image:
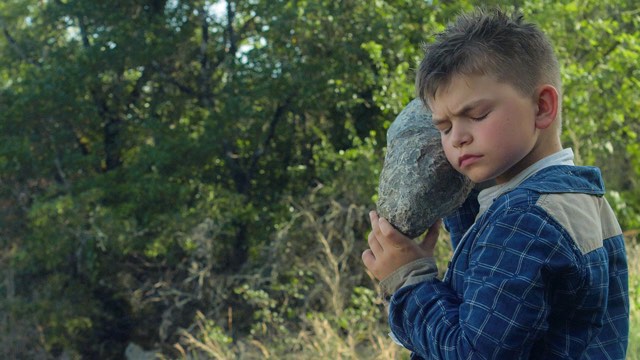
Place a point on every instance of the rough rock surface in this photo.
(417, 183)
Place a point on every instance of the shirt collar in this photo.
(486, 196)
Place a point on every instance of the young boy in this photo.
(539, 268)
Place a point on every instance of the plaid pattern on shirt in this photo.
(519, 286)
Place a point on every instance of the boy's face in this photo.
(488, 128)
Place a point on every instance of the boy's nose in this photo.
(461, 138)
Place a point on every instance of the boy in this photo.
(539, 268)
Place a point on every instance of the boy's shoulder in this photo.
(566, 179)
(571, 198)
(557, 179)
(559, 184)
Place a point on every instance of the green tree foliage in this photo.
(597, 43)
(178, 173)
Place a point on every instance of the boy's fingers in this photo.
(391, 236)
(374, 244)
(385, 227)
(368, 258)
(373, 216)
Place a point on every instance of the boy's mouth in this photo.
(467, 159)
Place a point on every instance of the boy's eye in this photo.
(479, 117)
(443, 127)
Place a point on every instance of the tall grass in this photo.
(313, 301)
(355, 331)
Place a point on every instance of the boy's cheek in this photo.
(453, 160)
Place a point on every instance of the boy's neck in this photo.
(487, 194)
(548, 144)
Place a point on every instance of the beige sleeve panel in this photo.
(412, 273)
(587, 218)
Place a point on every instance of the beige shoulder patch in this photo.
(587, 218)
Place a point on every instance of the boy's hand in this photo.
(389, 249)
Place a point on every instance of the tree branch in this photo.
(16, 47)
(165, 76)
(83, 32)
(606, 54)
(260, 150)
(134, 95)
(204, 88)
(232, 47)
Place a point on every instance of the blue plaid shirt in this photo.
(542, 274)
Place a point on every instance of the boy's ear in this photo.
(547, 106)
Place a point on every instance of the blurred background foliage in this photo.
(191, 179)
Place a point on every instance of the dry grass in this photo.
(338, 316)
(349, 332)
(320, 339)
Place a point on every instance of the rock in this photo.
(136, 352)
(417, 184)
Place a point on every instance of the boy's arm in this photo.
(425, 268)
(503, 308)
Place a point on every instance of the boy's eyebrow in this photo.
(437, 122)
(464, 110)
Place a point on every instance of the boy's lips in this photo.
(467, 159)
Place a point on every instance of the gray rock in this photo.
(136, 352)
(417, 184)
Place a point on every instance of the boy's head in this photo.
(489, 43)
(492, 83)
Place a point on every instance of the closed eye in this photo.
(443, 127)
(480, 118)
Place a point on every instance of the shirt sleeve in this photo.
(503, 308)
(412, 273)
